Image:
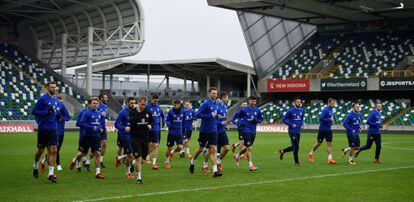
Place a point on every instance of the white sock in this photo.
(154, 161)
(35, 164)
(51, 169)
(128, 169)
(43, 161)
(192, 161)
(218, 160)
(167, 160)
(214, 168)
(121, 157)
(172, 151)
(329, 156)
(139, 175)
(236, 145)
(181, 151)
(88, 161)
(347, 149)
(250, 163)
(350, 158)
(148, 157)
(84, 158)
(98, 170)
(78, 165)
(237, 155)
(101, 159)
(205, 164)
(133, 162)
(74, 160)
(187, 150)
(311, 152)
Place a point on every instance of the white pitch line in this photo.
(399, 148)
(245, 184)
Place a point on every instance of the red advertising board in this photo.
(291, 85)
(16, 128)
(272, 128)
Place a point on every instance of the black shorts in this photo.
(249, 138)
(240, 133)
(324, 134)
(174, 138)
(126, 146)
(104, 135)
(140, 146)
(207, 139)
(353, 141)
(118, 140)
(223, 139)
(87, 142)
(155, 137)
(46, 138)
(187, 134)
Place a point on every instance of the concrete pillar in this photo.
(249, 91)
(77, 79)
(89, 62)
(111, 81)
(219, 84)
(148, 79)
(64, 54)
(103, 81)
(185, 85)
(208, 84)
(192, 86)
(167, 82)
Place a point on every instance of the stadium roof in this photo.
(189, 69)
(51, 26)
(324, 11)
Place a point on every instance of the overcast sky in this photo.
(190, 29)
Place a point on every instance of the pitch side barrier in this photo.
(30, 126)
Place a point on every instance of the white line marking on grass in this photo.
(245, 184)
(400, 148)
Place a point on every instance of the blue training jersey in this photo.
(189, 118)
(352, 123)
(45, 112)
(250, 117)
(325, 122)
(374, 122)
(90, 122)
(174, 121)
(103, 108)
(294, 117)
(62, 115)
(121, 122)
(78, 119)
(222, 111)
(207, 113)
(237, 120)
(157, 115)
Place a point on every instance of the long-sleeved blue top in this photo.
(63, 115)
(121, 122)
(222, 111)
(325, 122)
(352, 123)
(189, 118)
(45, 112)
(157, 115)
(374, 122)
(250, 117)
(174, 121)
(78, 119)
(103, 108)
(207, 113)
(294, 117)
(90, 122)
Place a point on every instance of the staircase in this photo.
(392, 119)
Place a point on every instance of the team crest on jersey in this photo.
(142, 120)
(146, 115)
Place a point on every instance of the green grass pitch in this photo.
(274, 181)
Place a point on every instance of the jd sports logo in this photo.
(323, 84)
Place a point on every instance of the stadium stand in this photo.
(365, 54)
(406, 118)
(22, 83)
(274, 111)
(304, 60)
